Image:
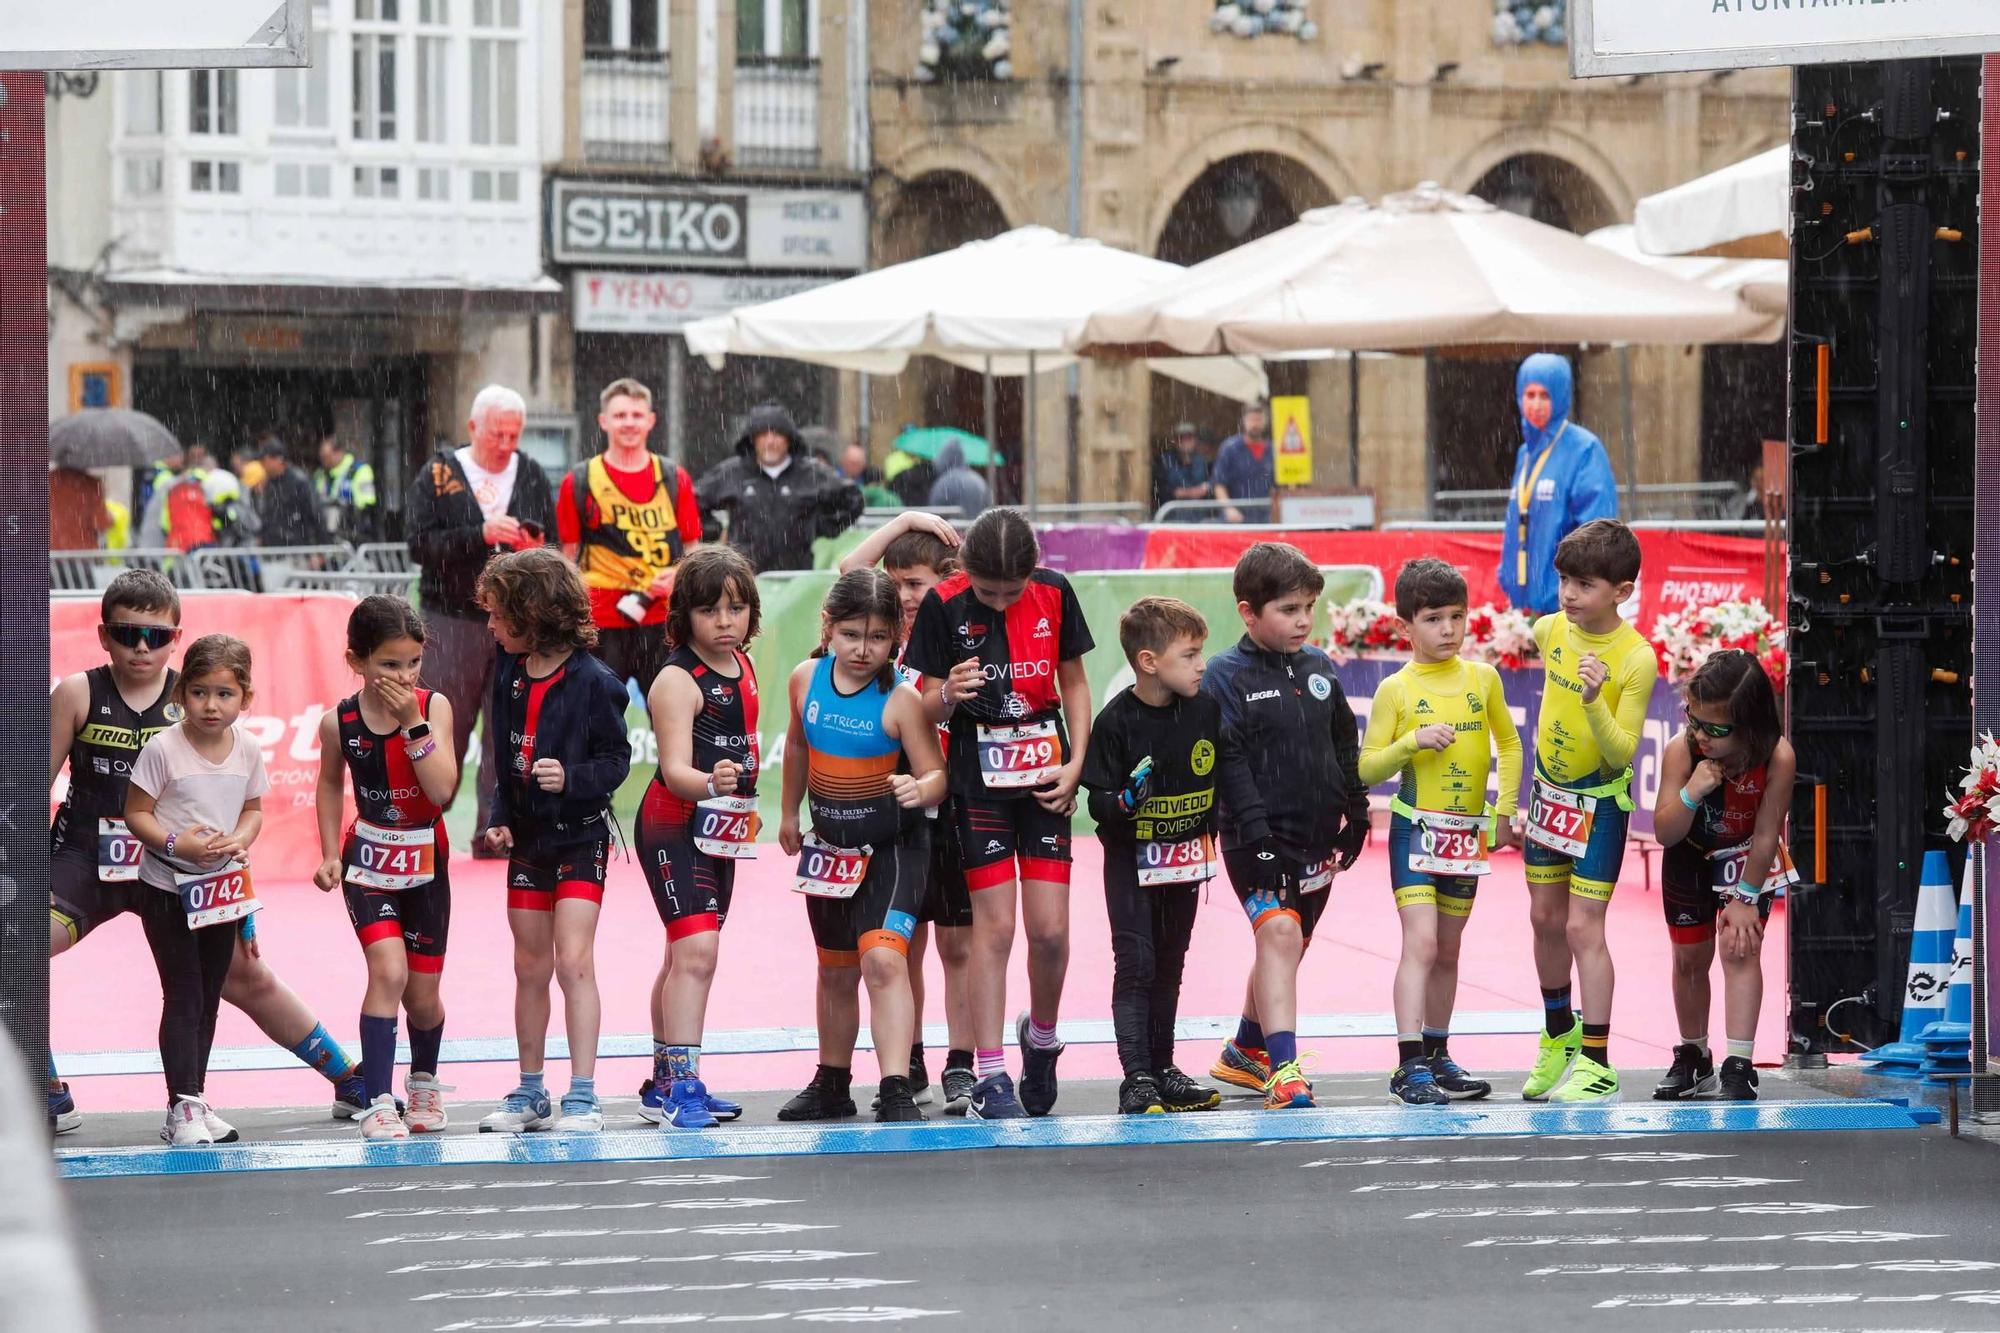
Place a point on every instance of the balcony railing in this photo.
(624, 105)
(777, 111)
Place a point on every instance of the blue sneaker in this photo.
(350, 1097)
(63, 1115)
(581, 1114)
(520, 1112)
(653, 1104)
(993, 1099)
(687, 1106)
(1413, 1084)
(1038, 1071)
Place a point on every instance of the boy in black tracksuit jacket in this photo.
(1150, 774)
(1292, 800)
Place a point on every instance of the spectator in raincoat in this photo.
(957, 485)
(1562, 480)
(778, 497)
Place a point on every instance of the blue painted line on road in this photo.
(769, 1041)
(1332, 1124)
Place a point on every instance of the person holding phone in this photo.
(466, 506)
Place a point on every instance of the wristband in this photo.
(417, 750)
(1687, 801)
(711, 784)
(247, 928)
(171, 839)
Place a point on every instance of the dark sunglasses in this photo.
(155, 637)
(1715, 731)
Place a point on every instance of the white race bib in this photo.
(826, 871)
(1560, 819)
(727, 826)
(214, 897)
(1728, 866)
(1188, 862)
(391, 859)
(1442, 843)
(118, 852)
(1024, 756)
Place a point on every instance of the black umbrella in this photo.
(109, 437)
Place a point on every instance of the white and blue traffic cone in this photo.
(1948, 1042)
(1930, 971)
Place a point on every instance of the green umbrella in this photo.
(925, 441)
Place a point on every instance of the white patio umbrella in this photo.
(1741, 211)
(1761, 284)
(1010, 305)
(1424, 269)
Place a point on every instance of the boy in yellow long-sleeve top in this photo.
(1600, 675)
(1438, 722)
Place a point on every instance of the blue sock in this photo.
(1283, 1046)
(533, 1083)
(683, 1063)
(1249, 1036)
(320, 1051)
(378, 1055)
(425, 1043)
(583, 1087)
(661, 1076)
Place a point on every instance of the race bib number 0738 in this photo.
(1189, 862)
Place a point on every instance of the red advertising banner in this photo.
(1678, 569)
(298, 671)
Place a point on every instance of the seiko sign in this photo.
(693, 228)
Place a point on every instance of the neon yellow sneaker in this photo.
(1553, 1062)
(1287, 1088)
(1589, 1081)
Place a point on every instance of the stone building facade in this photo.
(1195, 140)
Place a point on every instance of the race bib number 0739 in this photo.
(1449, 844)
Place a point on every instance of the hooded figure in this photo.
(777, 495)
(1562, 480)
(957, 484)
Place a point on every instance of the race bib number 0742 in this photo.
(215, 897)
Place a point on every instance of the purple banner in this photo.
(1071, 547)
(1360, 678)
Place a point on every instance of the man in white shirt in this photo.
(467, 506)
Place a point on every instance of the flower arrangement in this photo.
(1683, 640)
(1518, 24)
(1974, 812)
(1499, 635)
(1258, 18)
(965, 39)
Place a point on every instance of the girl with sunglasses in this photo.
(1724, 787)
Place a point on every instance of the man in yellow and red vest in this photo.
(625, 516)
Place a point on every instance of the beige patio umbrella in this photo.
(1424, 269)
(1761, 284)
(1740, 211)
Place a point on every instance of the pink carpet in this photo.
(106, 996)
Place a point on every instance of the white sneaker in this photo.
(381, 1122)
(580, 1115)
(187, 1123)
(520, 1112)
(426, 1114)
(218, 1129)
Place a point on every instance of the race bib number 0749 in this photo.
(1025, 756)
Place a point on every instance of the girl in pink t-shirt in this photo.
(196, 802)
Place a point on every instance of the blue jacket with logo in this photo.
(1572, 488)
(1290, 767)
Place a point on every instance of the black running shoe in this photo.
(1691, 1075)
(920, 1082)
(894, 1102)
(1038, 1072)
(1140, 1095)
(825, 1098)
(1180, 1093)
(958, 1082)
(1413, 1084)
(1738, 1080)
(1455, 1082)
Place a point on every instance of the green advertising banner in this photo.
(790, 633)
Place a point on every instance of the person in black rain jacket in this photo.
(777, 495)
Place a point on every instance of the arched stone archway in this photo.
(1304, 172)
(1231, 200)
(927, 214)
(1594, 190)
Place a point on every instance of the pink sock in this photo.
(1041, 1035)
(988, 1063)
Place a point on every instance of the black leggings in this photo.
(1150, 929)
(193, 964)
